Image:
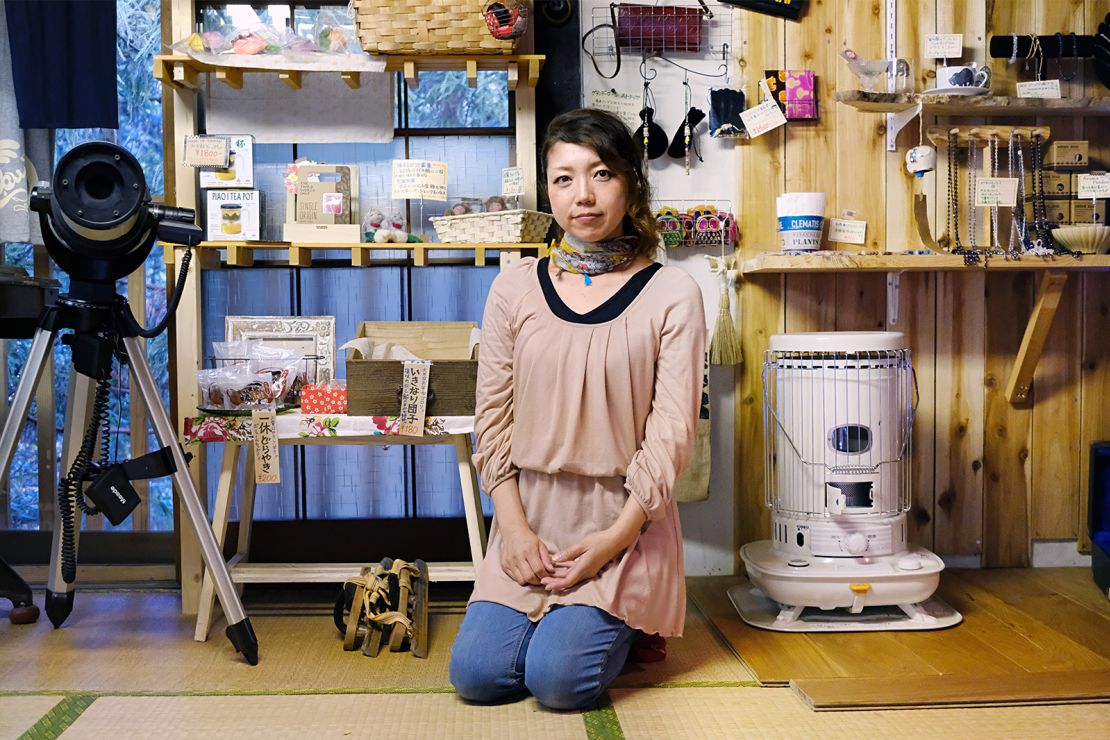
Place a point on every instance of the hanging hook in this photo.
(722, 70)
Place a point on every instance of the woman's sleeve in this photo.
(493, 411)
(669, 435)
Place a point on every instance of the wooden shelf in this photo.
(241, 254)
(831, 261)
(981, 105)
(180, 70)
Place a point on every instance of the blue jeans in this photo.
(566, 660)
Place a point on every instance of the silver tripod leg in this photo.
(24, 392)
(79, 401)
(239, 628)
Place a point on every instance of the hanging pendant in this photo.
(587, 280)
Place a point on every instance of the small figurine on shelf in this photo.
(393, 231)
(372, 224)
(495, 203)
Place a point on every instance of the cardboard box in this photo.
(1058, 212)
(1087, 212)
(240, 169)
(233, 215)
(1066, 154)
(1056, 185)
(374, 386)
(324, 210)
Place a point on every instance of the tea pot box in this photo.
(374, 386)
(233, 215)
(239, 172)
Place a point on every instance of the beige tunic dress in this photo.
(587, 411)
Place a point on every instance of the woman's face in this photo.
(589, 201)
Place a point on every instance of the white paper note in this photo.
(512, 181)
(266, 467)
(1095, 185)
(847, 231)
(1039, 89)
(762, 118)
(944, 46)
(624, 106)
(996, 191)
(419, 178)
(206, 151)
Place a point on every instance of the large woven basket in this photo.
(423, 26)
(507, 227)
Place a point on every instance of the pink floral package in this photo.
(795, 91)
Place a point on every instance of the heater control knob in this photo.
(910, 562)
(856, 544)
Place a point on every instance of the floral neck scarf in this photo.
(594, 258)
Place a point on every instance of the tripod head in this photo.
(97, 218)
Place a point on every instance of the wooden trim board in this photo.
(953, 690)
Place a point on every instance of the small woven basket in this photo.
(500, 227)
(424, 26)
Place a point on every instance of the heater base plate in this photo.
(758, 610)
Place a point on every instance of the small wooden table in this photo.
(323, 429)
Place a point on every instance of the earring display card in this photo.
(794, 91)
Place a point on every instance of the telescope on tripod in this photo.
(99, 225)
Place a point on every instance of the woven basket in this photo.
(499, 227)
(423, 26)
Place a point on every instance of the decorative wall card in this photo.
(944, 46)
(1094, 185)
(512, 181)
(414, 397)
(996, 191)
(419, 178)
(1039, 89)
(847, 231)
(624, 106)
(764, 117)
(266, 467)
(206, 151)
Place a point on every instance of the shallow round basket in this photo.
(1085, 238)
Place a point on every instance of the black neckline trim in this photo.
(613, 306)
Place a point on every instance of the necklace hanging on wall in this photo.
(1074, 56)
(992, 154)
(1016, 168)
(1044, 243)
(951, 238)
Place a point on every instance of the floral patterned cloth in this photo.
(204, 429)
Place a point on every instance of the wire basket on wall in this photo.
(684, 27)
(683, 222)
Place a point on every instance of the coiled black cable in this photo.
(71, 488)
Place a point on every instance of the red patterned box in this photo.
(324, 399)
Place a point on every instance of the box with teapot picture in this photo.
(233, 215)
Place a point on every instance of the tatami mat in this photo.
(319, 716)
(18, 713)
(777, 713)
(139, 641)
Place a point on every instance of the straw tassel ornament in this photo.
(724, 345)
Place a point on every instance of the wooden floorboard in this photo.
(958, 690)
(1025, 634)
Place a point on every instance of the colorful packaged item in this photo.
(795, 91)
(324, 398)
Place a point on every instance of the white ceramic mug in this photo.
(964, 75)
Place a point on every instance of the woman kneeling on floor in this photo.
(589, 385)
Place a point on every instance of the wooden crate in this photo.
(374, 386)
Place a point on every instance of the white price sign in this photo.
(996, 191)
(1094, 186)
(1039, 89)
(418, 178)
(512, 181)
(944, 46)
(847, 231)
(764, 117)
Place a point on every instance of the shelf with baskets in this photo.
(180, 70)
(974, 105)
(362, 254)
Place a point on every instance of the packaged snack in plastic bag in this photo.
(333, 36)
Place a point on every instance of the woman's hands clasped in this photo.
(524, 556)
(584, 559)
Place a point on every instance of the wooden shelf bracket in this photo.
(1036, 333)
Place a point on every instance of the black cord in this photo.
(171, 309)
(616, 43)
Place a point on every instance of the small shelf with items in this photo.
(973, 105)
(834, 261)
(298, 254)
(181, 70)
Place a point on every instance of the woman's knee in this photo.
(484, 657)
(559, 681)
(477, 679)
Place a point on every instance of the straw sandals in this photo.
(385, 602)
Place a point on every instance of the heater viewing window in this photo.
(850, 439)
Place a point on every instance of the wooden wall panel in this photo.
(759, 39)
(988, 477)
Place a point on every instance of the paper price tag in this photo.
(207, 151)
(764, 117)
(847, 231)
(512, 181)
(624, 106)
(264, 427)
(1039, 89)
(996, 191)
(944, 46)
(418, 178)
(414, 398)
(1094, 186)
